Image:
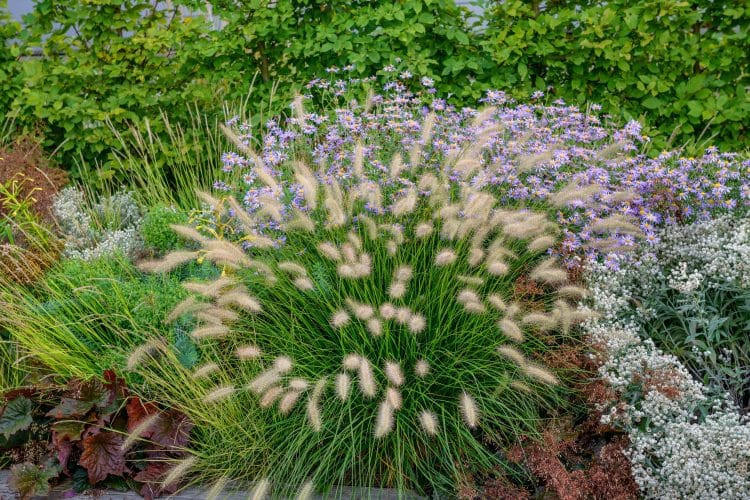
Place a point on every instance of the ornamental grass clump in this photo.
(382, 345)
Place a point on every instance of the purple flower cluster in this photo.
(563, 144)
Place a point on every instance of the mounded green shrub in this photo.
(157, 235)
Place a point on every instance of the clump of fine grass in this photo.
(382, 345)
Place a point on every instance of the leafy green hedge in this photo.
(677, 63)
(670, 62)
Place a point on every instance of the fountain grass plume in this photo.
(383, 342)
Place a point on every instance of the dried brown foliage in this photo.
(25, 160)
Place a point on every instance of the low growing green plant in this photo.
(382, 345)
(157, 234)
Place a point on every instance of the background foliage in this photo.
(671, 63)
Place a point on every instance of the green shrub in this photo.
(9, 30)
(679, 66)
(376, 346)
(157, 234)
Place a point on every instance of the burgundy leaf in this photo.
(137, 411)
(172, 429)
(102, 455)
(152, 477)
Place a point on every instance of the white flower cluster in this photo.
(110, 226)
(685, 443)
(718, 250)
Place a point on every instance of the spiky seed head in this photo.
(213, 331)
(362, 312)
(288, 400)
(391, 247)
(429, 422)
(248, 352)
(397, 290)
(384, 420)
(140, 353)
(241, 299)
(476, 255)
(270, 396)
(387, 311)
(352, 361)
(423, 230)
(349, 253)
(397, 165)
(467, 295)
(512, 310)
(298, 384)
(179, 471)
(354, 240)
(347, 271)
(403, 315)
(292, 268)
(475, 307)
(168, 263)
(393, 373)
(216, 316)
(219, 394)
(340, 319)
(510, 329)
(140, 429)
(539, 373)
(416, 323)
(359, 159)
(469, 410)
(313, 405)
(422, 368)
(260, 492)
(366, 379)
(330, 251)
(306, 491)
(517, 384)
(375, 327)
(304, 283)
(393, 396)
(445, 257)
(541, 243)
(406, 204)
(512, 354)
(497, 268)
(263, 381)
(543, 322)
(343, 383)
(497, 302)
(403, 273)
(470, 280)
(205, 370)
(572, 292)
(282, 364)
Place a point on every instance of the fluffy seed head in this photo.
(403, 273)
(214, 331)
(219, 394)
(140, 353)
(343, 383)
(313, 405)
(387, 311)
(282, 364)
(366, 379)
(292, 268)
(298, 384)
(205, 370)
(475, 307)
(339, 319)
(248, 352)
(445, 257)
(140, 429)
(541, 243)
(352, 361)
(423, 230)
(330, 251)
(403, 315)
(510, 329)
(429, 422)
(466, 295)
(270, 396)
(375, 327)
(362, 312)
(497, 268)
(422, 368)
(306, 491)
(393, 396)
(512, 354)
(384, 420)
(303, 283)
(397, 290)
(470, 280)
(288, 401)
(177, 472)
(349, 252)
(416, 323)
(469, 410)
(260, 492)
(393, 372)
(539, 373)
(497, 302)
(264, 380)
(476, 255)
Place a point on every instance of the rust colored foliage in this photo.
(25, 160)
